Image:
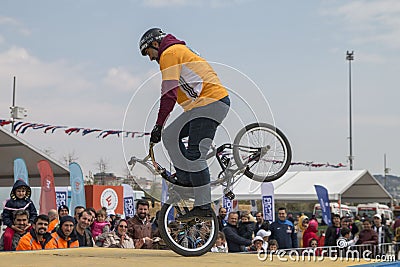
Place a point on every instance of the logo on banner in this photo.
(61, 198)
(77, 186)
(268, 208)
(47, 183)
(129, 206)
(109, 199)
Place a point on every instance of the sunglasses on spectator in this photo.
(123, 226)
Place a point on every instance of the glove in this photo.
(155, 136)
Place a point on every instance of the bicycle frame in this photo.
(227, 175)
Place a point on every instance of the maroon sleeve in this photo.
(169, 92)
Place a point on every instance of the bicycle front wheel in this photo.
(193, 238)
(263, 150)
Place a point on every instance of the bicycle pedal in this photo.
(230, 195)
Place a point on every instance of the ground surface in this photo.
(110, 257)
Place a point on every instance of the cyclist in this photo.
(189, 80)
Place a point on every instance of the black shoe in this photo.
(196, 212)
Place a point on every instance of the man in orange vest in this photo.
(38, 237)
(63, 237)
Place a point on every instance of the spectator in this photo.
(63, 210)
(273, 245)
(63, 237)
(346, 234)
(346, 222)
(119, 237)
(258, 244)
(53, 217)
(301, 227)
(333, 232)
(220, 245)
(92, 212)
(246, 227)
(77, 210)
(139, 227)
(221, 218)
(282, 230)
(235, 242)
(111, 219)
(81, 230)
(38, 237)
(100, 226)
(10, 238)
(310, 233)
(313, 244)
(19, 199)
(384, 234)
(367, 235)
(261, 223)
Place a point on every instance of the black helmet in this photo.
(154, 34)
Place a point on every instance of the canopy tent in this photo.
(347, 186)
(12, 147)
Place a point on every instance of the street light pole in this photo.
(350, 57)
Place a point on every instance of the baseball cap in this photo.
(378, 216)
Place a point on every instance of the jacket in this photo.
(9, 240)
(234, 240)
(331, 235)
(86, 240)
(284, 233)
(15, 203)
(387, 235)
(112, 240)
(310, 233)
(246, 230)
(368, 237)
(100, 227)
(29, 242)
(138, 229)
(60, 241)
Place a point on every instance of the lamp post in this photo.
(350, 57)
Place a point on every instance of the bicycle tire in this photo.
(181, 238)
(277, 161)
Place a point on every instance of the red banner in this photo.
(48, 192)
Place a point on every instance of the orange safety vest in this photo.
(59, 242)
(28, 242)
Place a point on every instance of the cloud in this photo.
(15, 24)
(369, 22)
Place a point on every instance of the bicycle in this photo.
(260, 151)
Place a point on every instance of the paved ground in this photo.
(97, 257)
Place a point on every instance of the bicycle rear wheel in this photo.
(263, 150)
(193, 238)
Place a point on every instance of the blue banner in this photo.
(77, 186)
(62, 196)
(129, 207)
(323, 199)
(268, 201)
(20, 171)
(228, 205)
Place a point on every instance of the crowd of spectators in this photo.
(238, 231)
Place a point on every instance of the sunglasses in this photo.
(123, 226)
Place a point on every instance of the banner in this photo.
(268, 201)
(254, 209)
(228, 205)
(48, 192)
(129, 201)
(62, 197)
(20, 171)
(77, 186)
(323, 198)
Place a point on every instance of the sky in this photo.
(77, 64)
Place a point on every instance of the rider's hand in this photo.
(155, 136)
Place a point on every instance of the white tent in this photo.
(12, 147)
(347, 186)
